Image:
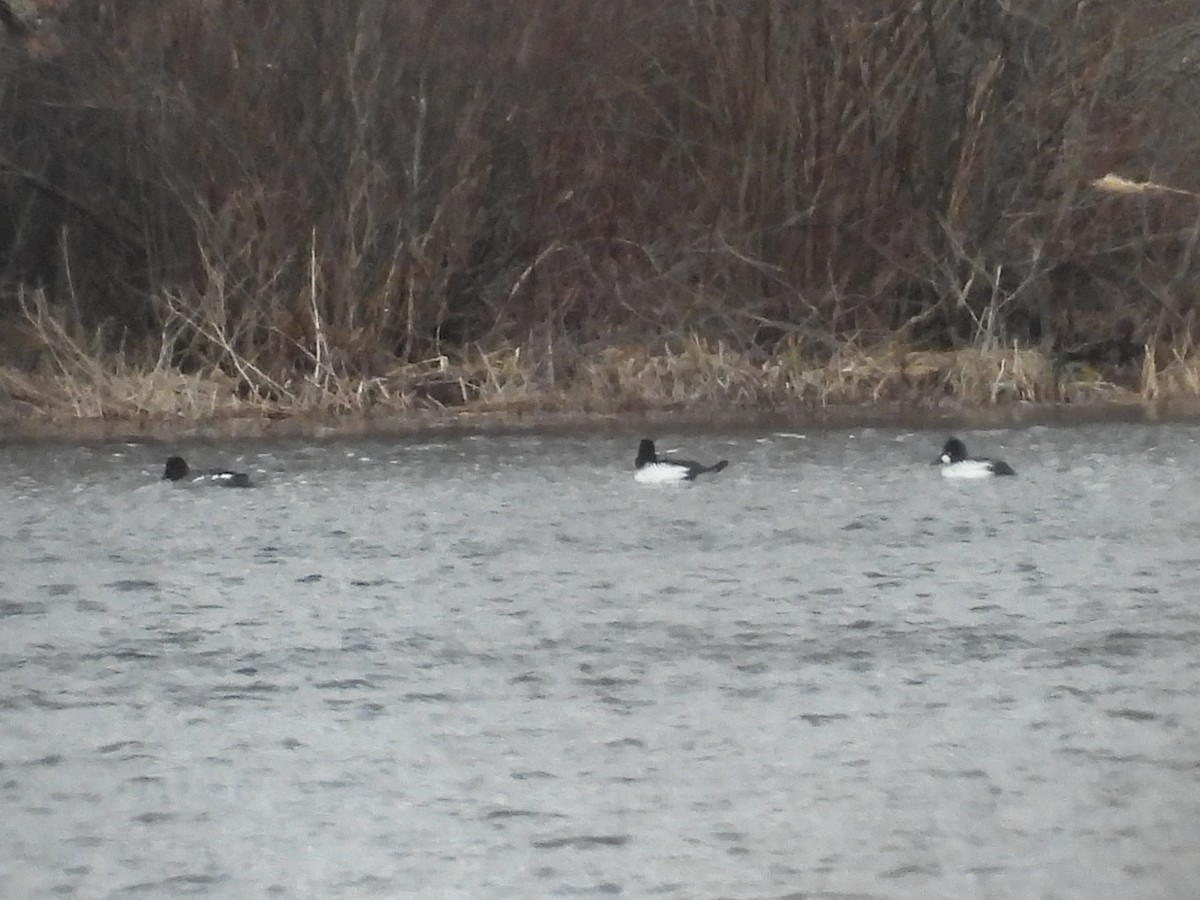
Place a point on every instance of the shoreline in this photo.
(276, 426)
(699, 386)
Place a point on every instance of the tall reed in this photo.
(298, 194)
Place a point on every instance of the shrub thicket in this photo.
(318, 189)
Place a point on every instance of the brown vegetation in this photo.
(395, 204)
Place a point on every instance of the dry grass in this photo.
(313, 217)
(1178, 378)
(694, 374)
(126, 395)
(73, 377)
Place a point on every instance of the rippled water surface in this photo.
(496, 667)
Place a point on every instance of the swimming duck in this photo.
(177, 469)
(956, 463)
(650, 469)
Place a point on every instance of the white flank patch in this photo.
(660, 473)
(968, 468)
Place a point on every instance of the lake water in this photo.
(496, 667)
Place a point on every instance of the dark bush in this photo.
(354, 184)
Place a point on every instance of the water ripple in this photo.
(498, 668)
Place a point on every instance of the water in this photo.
(495, 667)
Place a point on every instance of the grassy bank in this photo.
(437, 208)
(691, 380)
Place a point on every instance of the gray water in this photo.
(496, 667)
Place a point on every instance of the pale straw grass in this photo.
(75, 380)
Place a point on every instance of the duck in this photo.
(956, 463)
(177, 469)
(650, 469)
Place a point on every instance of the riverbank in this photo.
(679, 210)
(697, 386)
